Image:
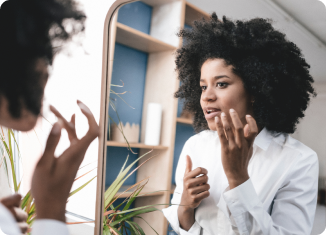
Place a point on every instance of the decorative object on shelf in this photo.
(130, 132)
(153, 124)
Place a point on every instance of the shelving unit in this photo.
(158, 43)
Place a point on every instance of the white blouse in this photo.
(8, 225)
(279, 198)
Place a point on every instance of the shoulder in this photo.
(303, 155)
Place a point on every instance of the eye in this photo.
(222, 84)
(203, 88)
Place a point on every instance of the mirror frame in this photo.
(103, 122)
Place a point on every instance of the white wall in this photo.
(74, 76)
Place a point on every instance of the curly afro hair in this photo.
(32, 30)
(272, 68)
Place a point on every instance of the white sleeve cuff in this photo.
(49, 227)
(171, 214)
(194, 230)
(241, 199)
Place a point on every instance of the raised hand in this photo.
(236, 146)
(53, 177)
(12, 203)
(195, 189)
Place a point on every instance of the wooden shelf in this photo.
(184, 121)
(140, 41)
(194, 13)
(146, 192)
(135, 145)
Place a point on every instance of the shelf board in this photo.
(146, 192)
(194, 13)
(135, 145)
(140, 41)
(185, 120)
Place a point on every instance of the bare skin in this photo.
(227, 107)
(53, 177)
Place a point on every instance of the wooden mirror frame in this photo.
(103, 123)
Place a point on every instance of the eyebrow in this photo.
(217, 77)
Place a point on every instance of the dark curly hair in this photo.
(272, 68)
(32, 30)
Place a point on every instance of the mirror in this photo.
(141, 63)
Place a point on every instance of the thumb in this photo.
(12, 201)
(188, 164)
(52, 143)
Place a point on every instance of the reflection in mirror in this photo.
(142, 104)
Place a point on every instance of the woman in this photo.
(31, 32)
(247, 87)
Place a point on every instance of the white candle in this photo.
(153, 124)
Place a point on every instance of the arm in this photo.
(293, 207)
(181, 214)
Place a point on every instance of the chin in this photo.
(21, 124)
(211, 125)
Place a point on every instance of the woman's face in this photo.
(222, 90)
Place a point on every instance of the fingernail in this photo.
(56, 128)
(223, 114)
(248, 115)
(83, 107)
(232, 110)
(60, 122)
(216, 119)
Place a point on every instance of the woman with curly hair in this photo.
(247, 86)
(32, 31)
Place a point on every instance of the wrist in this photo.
(51, 212)
(236, 181)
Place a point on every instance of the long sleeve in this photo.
(8, 224)
(49, 227)
(171, 213)
(293, 207)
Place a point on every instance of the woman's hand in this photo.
(236, 145)
(12, 203)
(53, 177)
(195, 189)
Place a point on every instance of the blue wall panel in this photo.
(183, 133)
(116, 157)
(136, 15)
(129, 66)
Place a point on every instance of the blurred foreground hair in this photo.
(31, 30)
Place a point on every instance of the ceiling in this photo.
(303, 21)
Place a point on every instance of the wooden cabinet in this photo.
(150, 46)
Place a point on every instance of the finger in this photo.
(198, 171)
(51, 144)
(23, 226)
(199, 189)
(93, 130)
(188, 164)
(194, 182)
(69, 126)
(252, 129)
(228, 129)
(220, 132)
(12, 201)
(201, 196)
(238, 127)
(21, 216)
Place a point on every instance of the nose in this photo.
(209, 94)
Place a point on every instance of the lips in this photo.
(211, 112)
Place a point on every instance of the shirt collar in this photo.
(263, 139)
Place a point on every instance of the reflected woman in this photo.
(247, 87)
